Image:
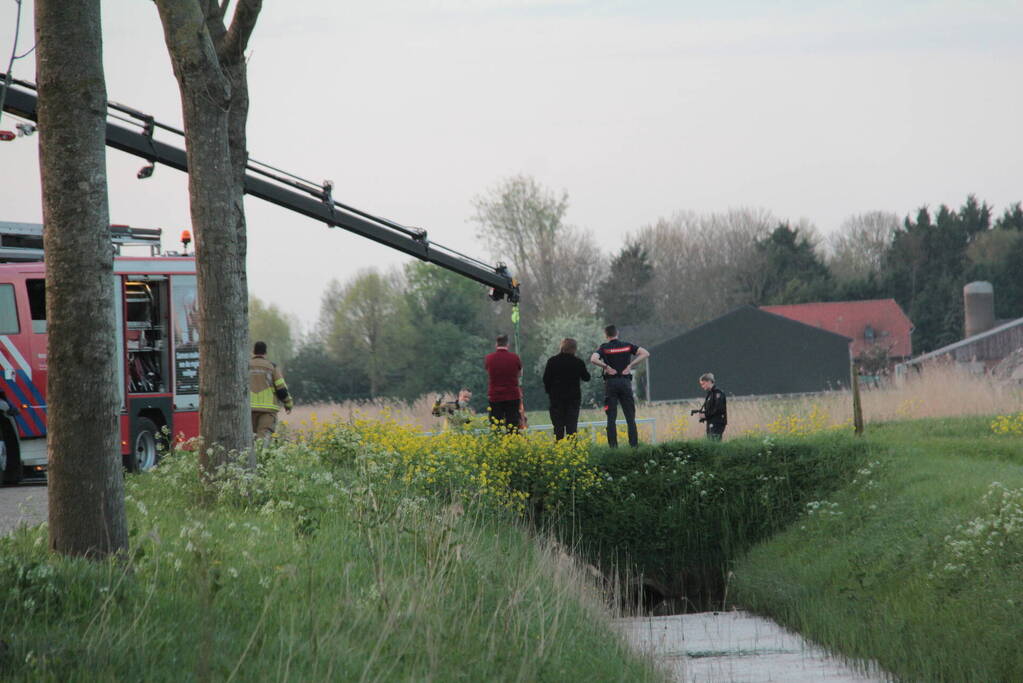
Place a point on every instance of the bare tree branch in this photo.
(705, 265)
(215, 25)
(191, 48)
(242, 25)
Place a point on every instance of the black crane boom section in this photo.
(289, 192)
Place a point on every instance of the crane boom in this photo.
(280, 188)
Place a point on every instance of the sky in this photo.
(637, 109)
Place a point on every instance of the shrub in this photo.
(989, 543)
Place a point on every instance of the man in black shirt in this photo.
(714, 410)
(617, 358)
(561, 378)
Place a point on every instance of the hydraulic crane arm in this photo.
(280, 188)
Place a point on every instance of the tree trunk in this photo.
(237, 117)
(220, 267)
(86, 484)
(195, 39)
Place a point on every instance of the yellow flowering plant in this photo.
(512, 471)
(793, 424)
(1008, 424)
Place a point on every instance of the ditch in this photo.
(668, 522)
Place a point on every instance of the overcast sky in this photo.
(636, 108)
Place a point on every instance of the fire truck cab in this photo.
(157, 342)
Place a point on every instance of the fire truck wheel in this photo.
(145, 455)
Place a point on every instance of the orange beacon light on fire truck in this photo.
(186, 239)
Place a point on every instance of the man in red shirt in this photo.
(504, 369)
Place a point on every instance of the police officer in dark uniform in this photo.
(714, 411)
(617, 358)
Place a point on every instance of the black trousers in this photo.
(618, 391)
(715, 430)
(564, 416)
(506, 413)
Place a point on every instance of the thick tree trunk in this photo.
(86, 485)
(237, 118)
(215, 192)
(220, 265)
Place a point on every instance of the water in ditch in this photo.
(735, 646)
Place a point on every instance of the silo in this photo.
(979, 307)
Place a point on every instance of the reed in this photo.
(936, 392)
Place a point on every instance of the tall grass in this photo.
(938, 391)
(305, 573)
(417, 413)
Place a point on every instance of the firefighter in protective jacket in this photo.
(267, 390)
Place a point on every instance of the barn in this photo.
(978, 353)
(751, 352)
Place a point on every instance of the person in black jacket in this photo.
(561, 378)
(616, 358)
(714, 411)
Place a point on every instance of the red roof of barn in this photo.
(881, 318)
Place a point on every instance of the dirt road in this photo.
(23, 504)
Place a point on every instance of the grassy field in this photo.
(916, 564)
(367, 550)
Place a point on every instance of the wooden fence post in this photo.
(856, 406)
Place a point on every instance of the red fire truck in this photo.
(157, 338)
(160, 357)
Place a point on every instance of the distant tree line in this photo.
(695, 268)
(421, 329)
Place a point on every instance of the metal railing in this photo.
(589, 427)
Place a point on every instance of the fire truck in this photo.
(157, 342)
(159, 362)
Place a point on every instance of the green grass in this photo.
(897, 547)
(909, 565)
(305, 574)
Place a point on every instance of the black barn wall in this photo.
(751, 352)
